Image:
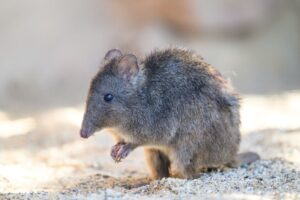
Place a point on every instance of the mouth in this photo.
(85, 134)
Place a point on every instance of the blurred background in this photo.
(49, 51)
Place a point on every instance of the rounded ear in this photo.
(128, 66)
(113, 54)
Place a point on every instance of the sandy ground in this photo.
(43, 157)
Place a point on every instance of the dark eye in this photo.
(108, 97)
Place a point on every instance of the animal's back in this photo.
(182, 73)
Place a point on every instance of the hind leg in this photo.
(185, 169)
(184, 163)
(158, 163)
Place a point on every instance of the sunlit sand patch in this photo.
(24, 170)
(270, 112)
(32, 176)
(10, 128)
(67, 115)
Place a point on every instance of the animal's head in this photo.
(111, 93)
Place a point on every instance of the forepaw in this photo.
(120, 151)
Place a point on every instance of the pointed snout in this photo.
(84, 134)
(87, 128)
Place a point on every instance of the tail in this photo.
(245, 159)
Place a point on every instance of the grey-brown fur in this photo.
(173, 103)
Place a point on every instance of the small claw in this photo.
(120, 151)
(114, 151)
